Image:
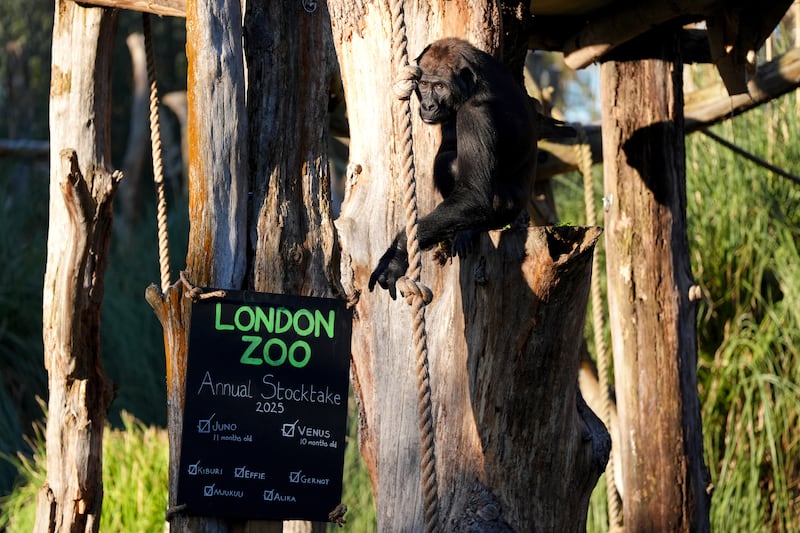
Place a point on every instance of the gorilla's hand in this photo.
(391, 267)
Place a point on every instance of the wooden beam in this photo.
(604, 33)
(712, 104)
(736, 33)
(693, 43)
(704, 107)
(166, 8)
(24, 148)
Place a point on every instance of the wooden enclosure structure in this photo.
(520, 450)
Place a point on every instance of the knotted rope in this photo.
(584, 155)
(158, 166)
(416, 294)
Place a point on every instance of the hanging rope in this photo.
(583, 152)
(158, 167)
(416, 294)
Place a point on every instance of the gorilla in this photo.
(484, 167)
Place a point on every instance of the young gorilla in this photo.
(485, 165)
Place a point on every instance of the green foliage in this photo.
(18, 509)
(745, 230)
(597, 518)
(25, 67)
(135, 471)
(22, 247)
(131, 336)
(357, 490)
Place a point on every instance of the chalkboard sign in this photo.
(265, 414)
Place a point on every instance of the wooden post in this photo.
(137, 152)
(294, 244)
(216, 131)
(77, 253)
(649, 281)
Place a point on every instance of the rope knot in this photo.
(407, 82)
(411, 289)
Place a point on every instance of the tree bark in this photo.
(523, 323)
(649, 279)
(217, 139)
(77, 252)
(216, 257)
(293, 242)
(516, 446)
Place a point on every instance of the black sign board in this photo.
(264, 421)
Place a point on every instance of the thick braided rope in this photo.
(416, 294)
(158, 167)
(584, 156)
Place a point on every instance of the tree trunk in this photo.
(516, 447)
(138, 147)
(292, 241)
(77, 253)
(293, 238)
(649, 281)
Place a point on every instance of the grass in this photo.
(22, 247)
(135, 470)
(132, 338)
(749, 325)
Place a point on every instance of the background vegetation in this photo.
(744, 230)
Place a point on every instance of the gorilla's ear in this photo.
(467, 79)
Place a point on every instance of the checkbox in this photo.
(208, 490)
(193, 468)
(288, 429)
(294, 477)
(204, 426)
(239, 471)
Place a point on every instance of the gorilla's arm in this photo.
(469, 206)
